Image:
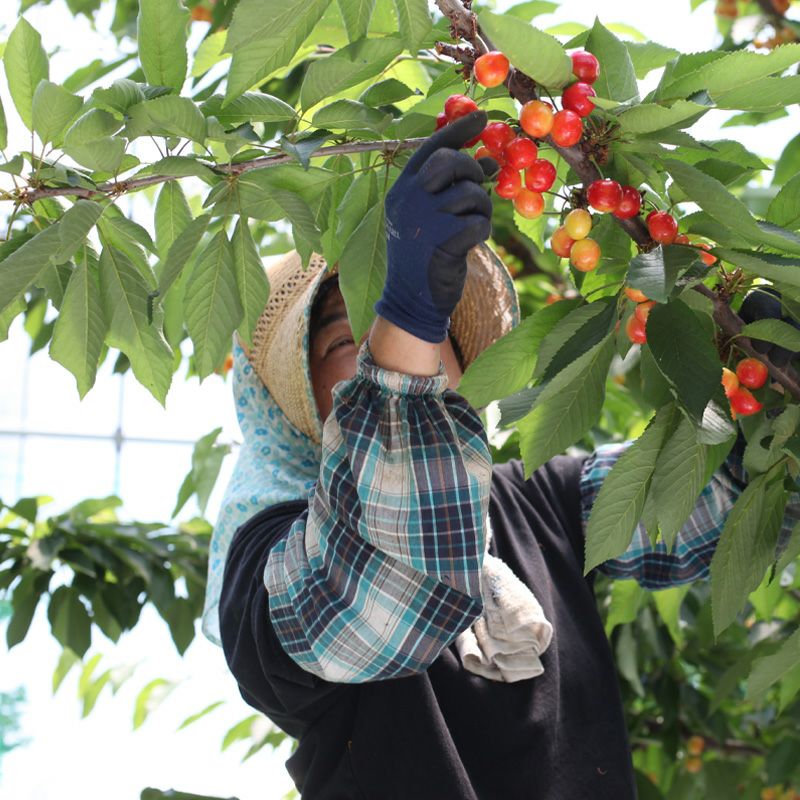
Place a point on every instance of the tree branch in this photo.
(523, 88)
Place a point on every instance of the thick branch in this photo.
(115, 188)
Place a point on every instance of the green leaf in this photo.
(26, 67)
(180, 618)
(568, 406)
(167, 116)
(649, 117)
(126, 303)
(668, 603)
(257, 107)
(788, 164)
(26, 265)
(211, 305)
(161, 33)
(200, 714)
(536, 53)
(304, 146)
(180, 252)
(655, 272)
(770, 669)
(353, 64)
(685, 355)
(24, 599)
(617, 80)
(88, 128)
(619, 504)
(69, 620)
(93, 71)
(66, 661)
(356, 15)
(362, 270)
(386, 93)
(784, 210)
(775, 331)
(207, 458)
(180, 167)
(678, 480)
(351, 115)
(81, 326)
(626, 600)
(251, 279)
(92, 693)
(766, 265)
(415, 22)
(647, 56)
(507, 365)
(74, 227)
(746, 548)
(265, 35)
(172, 216)
(149, 699)
(3, 128)
(91, 143)
(119, 97)
(360, 197)
(53, 109)
(766, 95)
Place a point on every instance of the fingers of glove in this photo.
(446, 167)
(489, 166)
(446, 278)
(476, 229)
(465, 197)
(452, 136)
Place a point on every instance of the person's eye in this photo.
(339, 341)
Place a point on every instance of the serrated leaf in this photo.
(507, 365)
(784, 209)
(127, 305)
(362, 270)
(211, 305)
(766, 265)
(251, 279)
(347, 67)
(304, 146)
(210, 52)
(24, 600)
(172, 216)
(356, 15)
(770, 669)
(414, 21)
(180, 167)
(90, 141)
(26, 66)
(678, 479)
(161, 34)
(766, 95)
(3, 128)
(775, 331)
(617, 79)
(74, 227)
(536, 53)
(788, 164)
(119, 97)
(746, 548)
(265, 35)
(53, 109)
(647, 56)
(256, 107)
(81, 326)
(359, 198)
(167, 116)
(684, 354)
(568, 406)
(69, 621)
(649, 117)
(351, 115)
(619, 504)
(655, 272)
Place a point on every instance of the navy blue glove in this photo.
(765, 303)
(436, 212)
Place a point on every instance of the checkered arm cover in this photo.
(384, 572)
(690, 560)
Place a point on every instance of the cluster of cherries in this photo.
(750, 374)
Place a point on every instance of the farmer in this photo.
(419, 621)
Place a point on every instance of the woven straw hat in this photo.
(488, 309)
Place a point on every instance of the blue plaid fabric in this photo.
(384, 571)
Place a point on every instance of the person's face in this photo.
(333, 353)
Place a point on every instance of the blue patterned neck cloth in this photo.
(276, 463)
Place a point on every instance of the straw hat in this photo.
(488, 309)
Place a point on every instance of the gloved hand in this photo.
(765, 303)
(436, 212)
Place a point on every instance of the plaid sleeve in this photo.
(385, 570)
(652, 566)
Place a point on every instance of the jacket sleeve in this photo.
(653, 566)
(384, 570)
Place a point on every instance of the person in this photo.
(417, 619)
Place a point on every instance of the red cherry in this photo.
(584, 255)
(630, 204)
(636, 330)
(496, 135)
(521, 152)
(509, 183)
(541, 175)
(642, 311)
(635, 295)
(743, 402)
(567, 128)
(707, 258)
(561, 243)
(536, 118)
(576, 98)
(604, 195)
(681, 238)
(441, 120)
(751, 373)
(585, 66)
(483, 152)
(491, 69)
(459, 105)
(729, 381)
(529, 204)
(662, 227)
